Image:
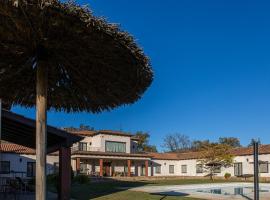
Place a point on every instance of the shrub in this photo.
(82, 179)
(227, 176)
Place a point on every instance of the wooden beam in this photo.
(78, 166)
(64, 173)
(41, 130)
(129, 168)
(100, 167)
(146, 168)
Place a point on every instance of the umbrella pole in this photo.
(41, 130)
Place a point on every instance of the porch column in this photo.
(78, 165)
(100, 167)
(146, 168)
(129, 168)
(64, 173)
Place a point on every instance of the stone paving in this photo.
(225, 191)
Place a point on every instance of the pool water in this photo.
(231, 190)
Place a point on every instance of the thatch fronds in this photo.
(93, 65)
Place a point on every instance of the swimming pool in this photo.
(215, 191)
(243, 191)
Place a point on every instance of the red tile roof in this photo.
(241, 151)
(19, 149)
(107, 132)
(99, 153)
(15, 148)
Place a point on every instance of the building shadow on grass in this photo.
(103, 187)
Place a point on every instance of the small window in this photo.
(4, 167)
(263, 168)
(217, 169)
(184, 169)
(82, 146)
(171, 169)
(199, 168)
(158, 169)
(31, 169)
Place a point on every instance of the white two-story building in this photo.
(109, 153)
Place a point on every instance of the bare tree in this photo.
(177, 142)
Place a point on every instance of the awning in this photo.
(21, 130)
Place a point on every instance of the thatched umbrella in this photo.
(59, 56)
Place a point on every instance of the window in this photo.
(217, 169)
(4, 167)
(31, 169)
(83, 168)
(117, 147)
(171, 169)
(238, 169)
(55, 167)
(263, 167)
(184, 169)
(158, 169)
(142, 170)
(82, 146)
(199, 168)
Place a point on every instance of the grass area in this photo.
(130, 195)
(117, 190)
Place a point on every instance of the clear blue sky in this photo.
(212, 69)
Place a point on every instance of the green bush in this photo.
(227, 176)
(82, 179)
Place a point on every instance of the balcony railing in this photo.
(77, 148)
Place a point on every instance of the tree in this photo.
(143, 142)
(254, 140)
(231, 141)
(199, 144)
(215, 156)
(177, 142)
(82, 127)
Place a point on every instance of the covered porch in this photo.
(20, 130)
(105, 164)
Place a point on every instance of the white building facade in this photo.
(114, 153)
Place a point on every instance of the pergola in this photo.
(21, 130)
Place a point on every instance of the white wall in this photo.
(18, 162)
(191, 166)
(98, 142)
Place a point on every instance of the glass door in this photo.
(238, 169)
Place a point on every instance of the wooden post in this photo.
(0, 129)
(78, 166)
(64, 173)
(41, 131)
(100, 167)
(146, 168)
(256, 169)
(129, 167)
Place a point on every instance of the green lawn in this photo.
(117, 190)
